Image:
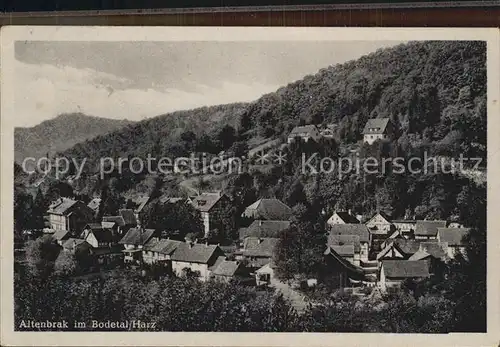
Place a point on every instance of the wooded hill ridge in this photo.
(60, 133)
(434, 92)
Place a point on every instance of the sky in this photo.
(141, 79)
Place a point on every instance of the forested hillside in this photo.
(435, 92)
(60, 133)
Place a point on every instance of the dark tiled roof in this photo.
(428, 227)
(60, 234)
(226, 268)
(61, 206)
(128, 217)
(103, 234)
(347, 217)
(360, 230)
(205, 201)
(380, 124)
(264, 228)
(136, 236)
(268, 209)
(163, 246)
(195, 253)
(407, 246)
(340, 240)
(353, 271)
(259, 247)
(453, 236)
(405, 268)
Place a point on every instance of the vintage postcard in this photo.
(249, 186)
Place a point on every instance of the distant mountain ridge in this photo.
(60, 133)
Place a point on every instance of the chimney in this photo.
(260, 222)
(349, 211)
(260, 240)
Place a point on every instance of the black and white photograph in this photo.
(224, 180)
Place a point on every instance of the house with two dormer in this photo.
(377, 129)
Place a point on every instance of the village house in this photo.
(159, 251)
(133, 242)
(74, 246)
(394, 272)
(98, 236)
(264, 276)
(268, 209)
(197, 258)
(60, 236)
(228, 270)
(340, 271)
(377, 129)
(380, 223)
(209, 204)
(347, 246)
(263, 228)
(381, 227)
(304, 133)
(427, 230)
(454, 239)
(342, 217)
(359, 230)
(399, 249)
(68, 214)
(257, 251)
(122, 223)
